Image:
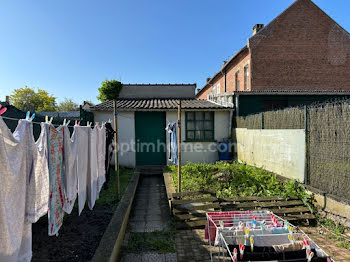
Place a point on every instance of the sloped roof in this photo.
(158, 104)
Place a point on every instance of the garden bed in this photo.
(236, 180)
(79, 236)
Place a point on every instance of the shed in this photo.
(143, 139)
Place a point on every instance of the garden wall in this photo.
(281, 151)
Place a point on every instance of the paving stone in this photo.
(171, 257)
(131, 258)
(153, 257)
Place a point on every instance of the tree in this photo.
(67, 105)
(109, 90)
(27, 99)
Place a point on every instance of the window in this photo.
(237, 81)
(218, 91)
(246, 77)
(199, 126)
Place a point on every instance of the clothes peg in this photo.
(235, 254)
(251, 243)
(28, 118)
(77, 123)
(241, 251)
(68, 123)
(96, 124)
(2, 110)
(51, 120)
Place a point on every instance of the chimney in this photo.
(198, 89)
(7, 100)
(224, 63)
(257, 28)
(208, 79)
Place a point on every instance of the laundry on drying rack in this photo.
(46, 176)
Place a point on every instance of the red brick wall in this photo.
(235, 65)
(303, 49)
(231, 74)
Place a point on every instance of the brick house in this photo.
(302, 49)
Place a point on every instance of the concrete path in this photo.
(149, 213)
(150, 210)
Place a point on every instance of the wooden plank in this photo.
(189, 216)
(196, 193)
(197, 200)
(196, 223)
(193, 208)
(299, 217)
(255, 198)
(266, 204)
(290, 210)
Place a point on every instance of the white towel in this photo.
(81, 138)
(93, 170)
(101, 155)
(15, 165)
(70, 172)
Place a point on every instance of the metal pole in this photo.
(179, 146)
(307, 175)
(116, 163)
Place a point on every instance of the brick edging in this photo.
(111, 242)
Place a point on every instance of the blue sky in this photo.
(68, 47)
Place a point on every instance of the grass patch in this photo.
(109, 195)
(158, 241)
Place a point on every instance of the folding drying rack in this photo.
(227, 228)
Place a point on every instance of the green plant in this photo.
(237, 179)
(336, 232)
(109, 90)
(27, 99)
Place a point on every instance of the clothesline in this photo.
(47, 176)
(16, 119)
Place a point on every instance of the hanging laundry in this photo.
(56, 199)
(101, 142)
(93, 169)
(80, 138)
(109, 150)
(38, 180)
(16, 165)
(172, 130)
(70, 172)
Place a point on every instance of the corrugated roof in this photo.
(158, 104)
